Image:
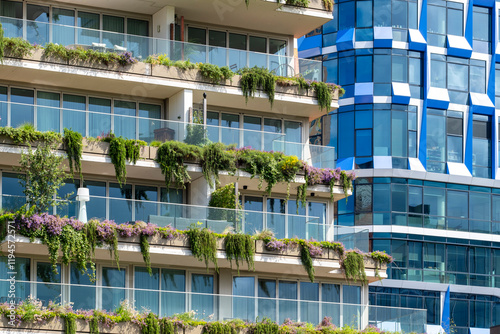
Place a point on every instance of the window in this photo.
(202, 299)
(400, 15)
(444, 18)
(48, 287)
(82, 290)
(243, 301)
(22, 268)
(481, 146)
(481, 31)
(444, 139)
(308, 222)
(453, 73)
(113, 287)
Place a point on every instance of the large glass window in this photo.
(202, 288)
(243, 301)
(22, 269)
(48, 287)
(444, 139)
(481, 29)
(113, 287)
(82, 290)
(444, 18)
(481, 146)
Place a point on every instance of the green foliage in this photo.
(184, 65)
(223, 197)
(218, 327)
(70, 323)
(203, 244)
(215, 158)
(151, 325)
(346, 180)
(323, 94)
(298, 3)
(196, 132)
(240, 247)
(145, 252)
(26, 134)
(161, 59)
(266, 326)
(270, 167)
(87, 55)
(133, 149)
(214, 73)
(17, 47)
(43, 176)
(4, 219)
(73, 144)
(328, 5)
(167, 326)
(94, 325)
(2, 44)
(171, 157)
(306, 259)
(354, 266)
(118, 153)
(122, 150)
(257, 78)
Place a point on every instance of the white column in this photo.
(179, 105)
(161, 22)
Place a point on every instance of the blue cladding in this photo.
(306, 43)
(382, 37)
(458, 46)
(346, 164)
(363, 92)
(416, 41)
(401, 93)
(345, 39)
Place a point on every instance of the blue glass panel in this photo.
(346, 70)
(399, 14)
(115, 294)
(399, 133)
(97, 206)
(382, 13)
(363, 14)
(346, 135)
(22, 110)
(120, 206)
(457, 204)
(173, 301)
(381, 66)
(267, 307)
(37, 25)
(22, 269)
(150, 122)
(436, 20)
(455, 22)
(48, 292)
(399, 69)
(458, 77)
(363, 143)
(438, 74)
(99, 117)
(48, 111)
(287, 309)
(346, 15)
(309, 311)
(124, 119)
(201, 300)
(478, 79)
(331, 70)
(63, 32)
(143, 209)
(83, 297)
(364, 69)
(363, 119)
(364, 34)
(74, 116)
(244, 308)
(382, 126)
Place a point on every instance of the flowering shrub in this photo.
(78, 242)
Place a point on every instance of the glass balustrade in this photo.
(217, 307)
(95, 124)
(183, 216)
(141, 47)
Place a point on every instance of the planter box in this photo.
(193, 330)
(144, 152)
(152, 152)
(333, 255)
(95, 147)
(173, 72)
(180, 241)
(156, 239)
(291, 251)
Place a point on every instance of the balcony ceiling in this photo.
(262, 15)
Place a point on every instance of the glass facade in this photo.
(421, 116)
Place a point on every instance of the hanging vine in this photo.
(354, 266)
(215, 158)
(144, 243)
(73, 144)
(240, 247)
(256, 78)
(203, 244)
(171, 157)
(118, 153)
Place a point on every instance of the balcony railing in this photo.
(216, 307)
(94, 124)
(182, 216)
(141, 47)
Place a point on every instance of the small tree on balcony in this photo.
(44, 175)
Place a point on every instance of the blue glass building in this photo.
(418, 123)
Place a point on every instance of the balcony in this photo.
(94, 124)
(182, 216)
(219, 307)
(141, 47)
